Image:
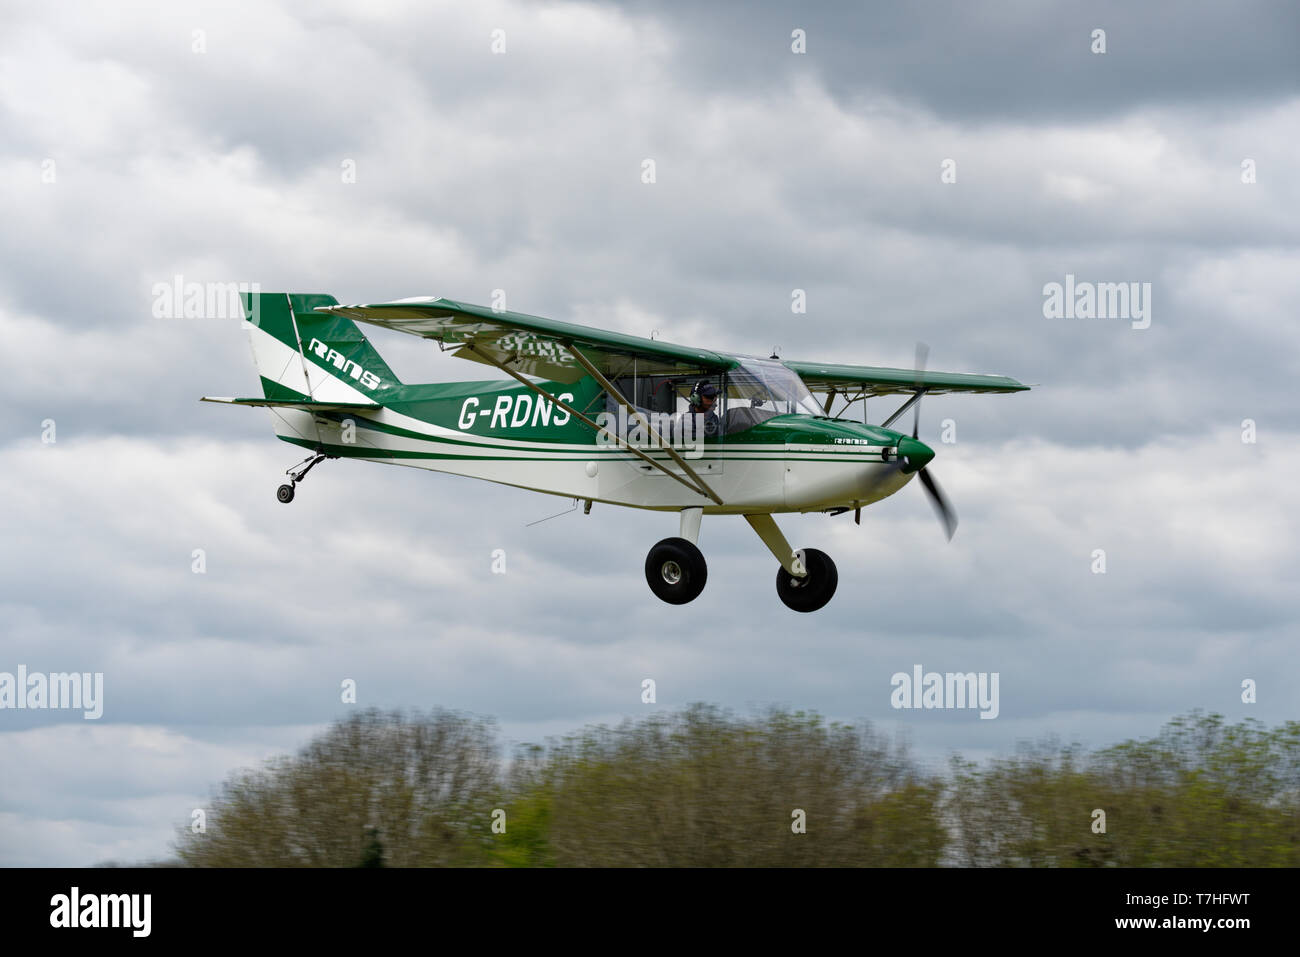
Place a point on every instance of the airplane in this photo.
(600, 416)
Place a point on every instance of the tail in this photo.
(308, 357)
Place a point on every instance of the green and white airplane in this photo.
(600, 416)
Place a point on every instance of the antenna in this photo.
(556, 515)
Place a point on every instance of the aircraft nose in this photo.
(915, 454)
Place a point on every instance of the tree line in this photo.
(703, 787)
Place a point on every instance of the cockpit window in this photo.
(758, 389)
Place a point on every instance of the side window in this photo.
(661, 397)
(749, 402)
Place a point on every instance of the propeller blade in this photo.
(940, 502)
(922, 354)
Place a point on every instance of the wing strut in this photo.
(492, 360)
(916, 397)
(644, 422)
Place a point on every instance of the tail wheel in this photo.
(675, 571)
(815, 589)
(284, 494)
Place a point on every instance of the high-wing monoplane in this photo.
(600, 416)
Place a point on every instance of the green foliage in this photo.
(419, 784)
(1200, 794)
(701, 787)
(529, 807)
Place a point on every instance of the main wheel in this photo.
(813, 591)
(284, 493)
(675, 571)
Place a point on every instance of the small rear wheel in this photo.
(675, 571)
(815, 589)
(284, 494)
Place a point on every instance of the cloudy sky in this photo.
(148, 141)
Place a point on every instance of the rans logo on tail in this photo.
(322, 351)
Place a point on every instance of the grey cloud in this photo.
(980, 63)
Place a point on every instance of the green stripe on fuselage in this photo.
(478, 411)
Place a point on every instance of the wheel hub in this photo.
(671, 572)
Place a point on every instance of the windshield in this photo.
(771, 387)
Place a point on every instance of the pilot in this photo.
(703, 400)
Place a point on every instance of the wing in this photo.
(874, 380)
(531, 344)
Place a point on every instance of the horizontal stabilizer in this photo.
(291, 404)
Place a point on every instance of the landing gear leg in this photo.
(690, 528)
(807, 578)
(297, 473)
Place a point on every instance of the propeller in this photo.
(917, 459)
(922, 354)
(942, 508)
(914, 456)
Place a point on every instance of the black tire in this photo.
(675, 571)
(284, 494)
(813, 592)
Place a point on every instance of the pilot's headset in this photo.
(697, 392)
